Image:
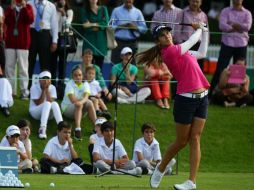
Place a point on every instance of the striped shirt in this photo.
(230, 15)
(190, 17)
(168, 15)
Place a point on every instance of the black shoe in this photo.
(77, 135)
(106, 114)
(6, 111)
(27, 171)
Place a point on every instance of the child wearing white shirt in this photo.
(11, 139)
(95, 96)
(60, 153)
(103, 153)
(147, 150)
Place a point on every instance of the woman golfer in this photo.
(191, 101)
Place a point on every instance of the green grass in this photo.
(227, 141)
(206, 181)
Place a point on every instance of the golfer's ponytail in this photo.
(149, 56)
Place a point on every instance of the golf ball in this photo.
(27, 184)
(52, 184)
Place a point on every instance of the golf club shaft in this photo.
(153, 21)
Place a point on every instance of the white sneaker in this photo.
(156, 178)
(122, 101)
(187, 185)
(53, 170)
(42, 133)
(135, 171)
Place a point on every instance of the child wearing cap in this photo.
(95, 137)
(76, 101)
(25, 130)
(11, 139)
(87, 61)
(60, 153)
(103, 152)
(147, 150)
(42, 103)
(127, 87)
(96, 92)
(6, 99)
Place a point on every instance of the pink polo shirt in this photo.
(185, 69)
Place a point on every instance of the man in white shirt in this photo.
(44, 34)
(11, 139)
(103, 153)
(59, 152)
(42, 102)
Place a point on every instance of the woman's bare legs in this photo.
(194, 142)
(182, 137)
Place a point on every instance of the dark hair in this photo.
(74, 68)
(63, 124)
(87, 51)
(241, 59)
(149, 56)
(147, 126)
(88, 6)
(107, 125)
(23, 123)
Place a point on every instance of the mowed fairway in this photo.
(206, 181)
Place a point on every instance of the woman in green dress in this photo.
(95, 19)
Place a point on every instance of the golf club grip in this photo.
(185, 24)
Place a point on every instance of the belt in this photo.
(195, 95)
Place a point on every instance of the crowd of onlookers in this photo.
(31, 30)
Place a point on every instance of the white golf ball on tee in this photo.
(27, 184)
(52, 184)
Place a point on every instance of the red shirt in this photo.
(26, 17)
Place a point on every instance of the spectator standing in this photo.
(127, 86)
(59, 57)
(129, 23)
(192, 13)
(6, 99)
(235, 22)
(44, 35)
(42, 103)
(95, 19)
(2, 54)
(76, 101)
(87, 61)
(157, 77)
(18, 17)
(168, 13)
(11, 139)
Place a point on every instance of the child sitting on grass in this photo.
(147, 150)
(95, 96)
(60, 153)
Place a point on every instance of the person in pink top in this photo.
(191, 100)
(157, 77)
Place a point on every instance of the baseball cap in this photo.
(44, 74)
(158, 29)
(12, 130)
(100, 121)
(126, 50)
